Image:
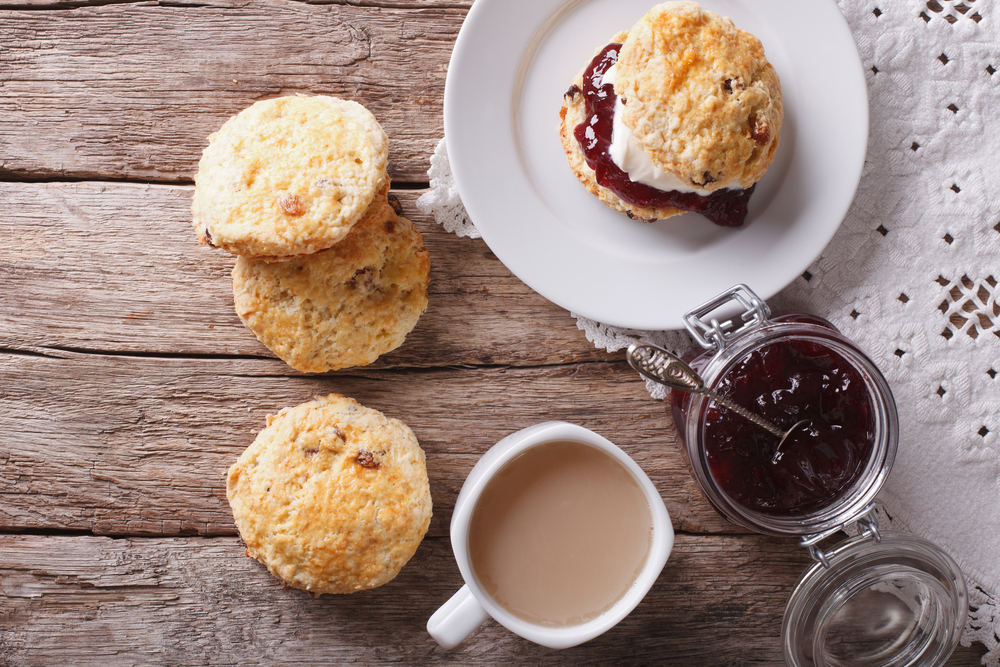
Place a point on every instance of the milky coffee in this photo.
(559, 535)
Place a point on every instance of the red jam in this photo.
(727, 208)
(786, 382)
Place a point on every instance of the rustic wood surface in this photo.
(136, 445)
(128, 384)
(100, 267)
(204, 602)
(194, 601)
(131, 91)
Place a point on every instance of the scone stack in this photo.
(329, 275)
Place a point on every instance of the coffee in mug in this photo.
(560, 534)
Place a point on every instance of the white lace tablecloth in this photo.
(912, 274)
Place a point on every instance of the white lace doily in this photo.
(442, 199)
(911, 275)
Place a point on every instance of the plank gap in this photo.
(73, 532)
(66, 5)
(410, 185)
(356, 371)
(15, 177)
(390, 5)
(49, 5)
(12, 176)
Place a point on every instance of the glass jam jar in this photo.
(886, 600)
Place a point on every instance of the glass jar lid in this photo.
(889, 600)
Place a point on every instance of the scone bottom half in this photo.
(332, 497)
(341, 307)
(729, 109)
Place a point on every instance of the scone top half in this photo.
(699, 96)
(289, 176)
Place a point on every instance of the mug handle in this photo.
(456, 619)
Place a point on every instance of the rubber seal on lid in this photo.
(900, 601)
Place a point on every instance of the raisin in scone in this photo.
(680, 113)
(290, 176)
(332, 497)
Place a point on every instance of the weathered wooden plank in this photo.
(135, 445)
(134, 90)
(97, 601)
(117, 267)
(94, 601)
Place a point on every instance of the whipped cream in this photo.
(630, 157)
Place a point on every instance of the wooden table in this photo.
(128, 384)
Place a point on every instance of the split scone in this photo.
(290, 176)
(332, 497)
(340, 307)
(682, 112)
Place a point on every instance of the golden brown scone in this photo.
(332, 497)
(574, 112)
(341, 307)
(700, 97)
(289, 176)
(379, 210)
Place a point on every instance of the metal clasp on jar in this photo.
(712, 334)
(867, 526)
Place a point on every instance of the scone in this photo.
(290, 176)
(332, 497)
(680, 113)
(341, 307)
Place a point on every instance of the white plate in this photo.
(512, 63)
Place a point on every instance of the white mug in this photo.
(471, 605)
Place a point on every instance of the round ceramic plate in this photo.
(512, 63)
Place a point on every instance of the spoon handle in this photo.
(661, 366)
(743, 412)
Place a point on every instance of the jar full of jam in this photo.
(873, 599)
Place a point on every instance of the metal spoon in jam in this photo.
(668, 369)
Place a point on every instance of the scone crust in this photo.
(332, 497)
(700, 97)
(289, 176)
(379, 210)
(574, 112)
(340, 307)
